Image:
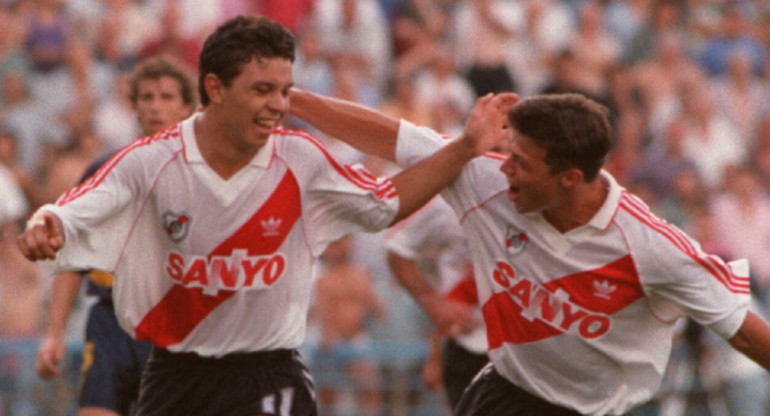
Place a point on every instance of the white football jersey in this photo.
(583, 319)
(209, 265)
(433, 238)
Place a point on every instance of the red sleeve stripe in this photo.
(98, 177)
(363, 172)
(359, 175)
(669, 230)
(382, 189)
(717, 268)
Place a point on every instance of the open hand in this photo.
(487, 124)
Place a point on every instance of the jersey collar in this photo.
(601, 220)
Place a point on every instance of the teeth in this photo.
(270, 123)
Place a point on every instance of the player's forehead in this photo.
(166, 84)
(273, 71)
(524, 147)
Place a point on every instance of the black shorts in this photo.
(458, 367)
(112, 362)
(249, 384)
(491, 394)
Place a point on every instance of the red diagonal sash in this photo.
(182, 309)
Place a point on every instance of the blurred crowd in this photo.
(687, 83)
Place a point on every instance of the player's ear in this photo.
(571, 177)
(213, 86)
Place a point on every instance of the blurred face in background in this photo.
(159, 103)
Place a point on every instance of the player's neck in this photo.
(218, 149)
(578, 207)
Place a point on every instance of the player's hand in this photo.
(487, 124)
(49, 356)
(450, 316)
(43, 237)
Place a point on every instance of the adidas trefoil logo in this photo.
(270, 227)
(603, 289)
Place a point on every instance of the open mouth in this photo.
(513, 192)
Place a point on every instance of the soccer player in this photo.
(212, 228)
(579, 283)
(429, 255)
(162, 94)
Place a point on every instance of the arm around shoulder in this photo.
(366, 129)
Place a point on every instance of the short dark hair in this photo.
(573, 129)
(236, 42)
(156, 68)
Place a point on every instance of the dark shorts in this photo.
(458, 367)
(491, 394)
(250, 384)
(112, 362)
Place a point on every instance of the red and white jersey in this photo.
(583, 319)
(433, 238)
(209, 265)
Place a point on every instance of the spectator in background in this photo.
(114, 120)
(403, 102)
(10, 162)
(663, 17)
(564, 75)
(710, 141)
(689, 197)
(742, 223)
(734, 33)
(291, 13)
(663, 160)
(47, 36)
(439, 83)
(20, 116)
(125, 27)
(313, 68)
(595, 52)
(185, 24)
(344, 363)
(21, 303)
(760, 154)
(657, 81)
(13, 56)
(624, 20)
(741, 95)
(170, 40)
(484, 29)
(359, 29)
(547, 30)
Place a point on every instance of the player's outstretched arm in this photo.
(753, 339)
(366, 129)
(43, 236)
(52, 347)
(485, 128)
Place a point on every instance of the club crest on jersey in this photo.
(515, 240)
(176, 225)
(270, 227)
